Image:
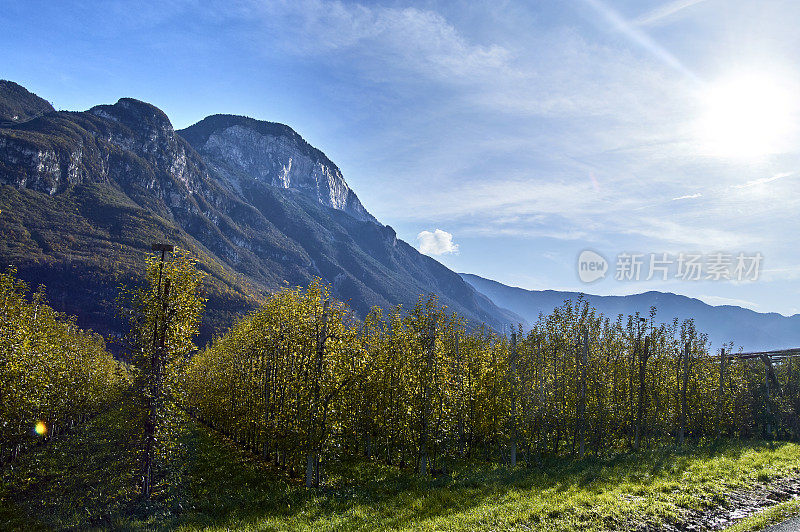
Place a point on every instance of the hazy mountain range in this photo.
(726, 323)
(84, 194)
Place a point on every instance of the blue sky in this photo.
(524, 132)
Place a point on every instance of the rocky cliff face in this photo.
(134, 144)
(241, 148)
(130, 142)
(145, 131)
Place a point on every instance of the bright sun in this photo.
(746, 116)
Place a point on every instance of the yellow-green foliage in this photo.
(148, 310)
(384, 390)
(52, 374)
(262, 379)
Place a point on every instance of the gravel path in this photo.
(739, 504)
(792, 525)
(743, 503)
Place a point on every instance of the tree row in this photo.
(302, 381)
(52, 374)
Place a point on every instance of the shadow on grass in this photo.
(86, 482)
(73, 482)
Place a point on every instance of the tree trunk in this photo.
(630, 413)
(513, 418)
(460, 426)
(682, 427)
(315, 439)
(423, 444)
(156, 377)
(583, 358)
(556, 402)
(641, 406)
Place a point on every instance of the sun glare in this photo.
(40, 428)
(746, 116)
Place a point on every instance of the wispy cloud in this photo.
(690, 232)
(637, 36)
(719, 300)
(407, 38)
(575, 210)
(508, 200)
(662, 12)
(764, 180)
(790, 273)
(688, 196)
(413, 46)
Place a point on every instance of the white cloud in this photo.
(437, 242)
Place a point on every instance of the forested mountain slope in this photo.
(17, 104)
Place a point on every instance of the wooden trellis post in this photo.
(767, 424)
(156, 374)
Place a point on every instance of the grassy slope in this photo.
(83, 481)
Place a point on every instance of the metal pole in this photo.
(721, 392)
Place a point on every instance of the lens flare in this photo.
(40, 428)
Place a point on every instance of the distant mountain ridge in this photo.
(84, 194)
(726, 323)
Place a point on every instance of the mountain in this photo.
(17, 104)
(726, 323)
(84, 194)
(242, 149)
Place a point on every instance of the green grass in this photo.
(761, 520)
(84, 481)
